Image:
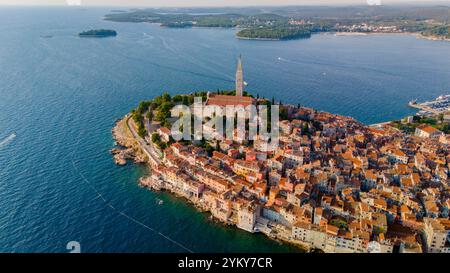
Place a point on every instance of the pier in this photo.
(438, 106)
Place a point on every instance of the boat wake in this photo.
(289, 61)
(7, 140)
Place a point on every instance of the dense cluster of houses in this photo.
(332, 183)
(367, 27)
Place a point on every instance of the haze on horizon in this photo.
(199, 3)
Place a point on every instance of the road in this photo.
(149, 150)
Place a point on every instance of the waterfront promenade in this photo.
(149, 150)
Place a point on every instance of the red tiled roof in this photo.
(224, 100)
(427, 128)
(164, 130)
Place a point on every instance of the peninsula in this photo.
(281, 33)
(331, 184)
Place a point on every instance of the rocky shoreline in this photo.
(432, 38)
(126, 147)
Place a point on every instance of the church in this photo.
(238, 99)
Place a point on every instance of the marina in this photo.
(438, 106)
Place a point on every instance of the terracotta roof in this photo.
(332, 229)
(164, 130)
(398, 152)
(177, 146)
(224, 100)
(427, 128)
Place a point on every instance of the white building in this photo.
(426, 131)
(247, 216)
(437, 235)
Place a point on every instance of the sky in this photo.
(187, 3)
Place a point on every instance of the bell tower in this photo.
(239, 78)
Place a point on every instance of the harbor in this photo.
(438, 106)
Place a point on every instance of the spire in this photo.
(239, 63)
(239, 78)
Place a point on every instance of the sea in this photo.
(60, 96)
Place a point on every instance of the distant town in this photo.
(331, 185)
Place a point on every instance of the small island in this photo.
(98, 33)
(273, 33)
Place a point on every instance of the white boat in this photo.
(443, 97)
(8, 139)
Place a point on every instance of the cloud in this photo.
(73, 2)
(184, 3)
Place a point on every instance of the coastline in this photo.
(416, 34)
(348, 33)
(432, 38)
(203, 188)
(260, 39)
(336, 33)
(352, 34)
(270, 39)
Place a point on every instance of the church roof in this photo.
(224, 100)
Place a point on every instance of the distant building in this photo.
(447, 117)
(408, 119)
(425, 130)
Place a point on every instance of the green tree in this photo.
(150, 114)
(177, 98)
(142, 132)
(155, 138)
(166, 97)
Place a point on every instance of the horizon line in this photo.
(418, 3)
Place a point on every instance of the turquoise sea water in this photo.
(61, 96)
